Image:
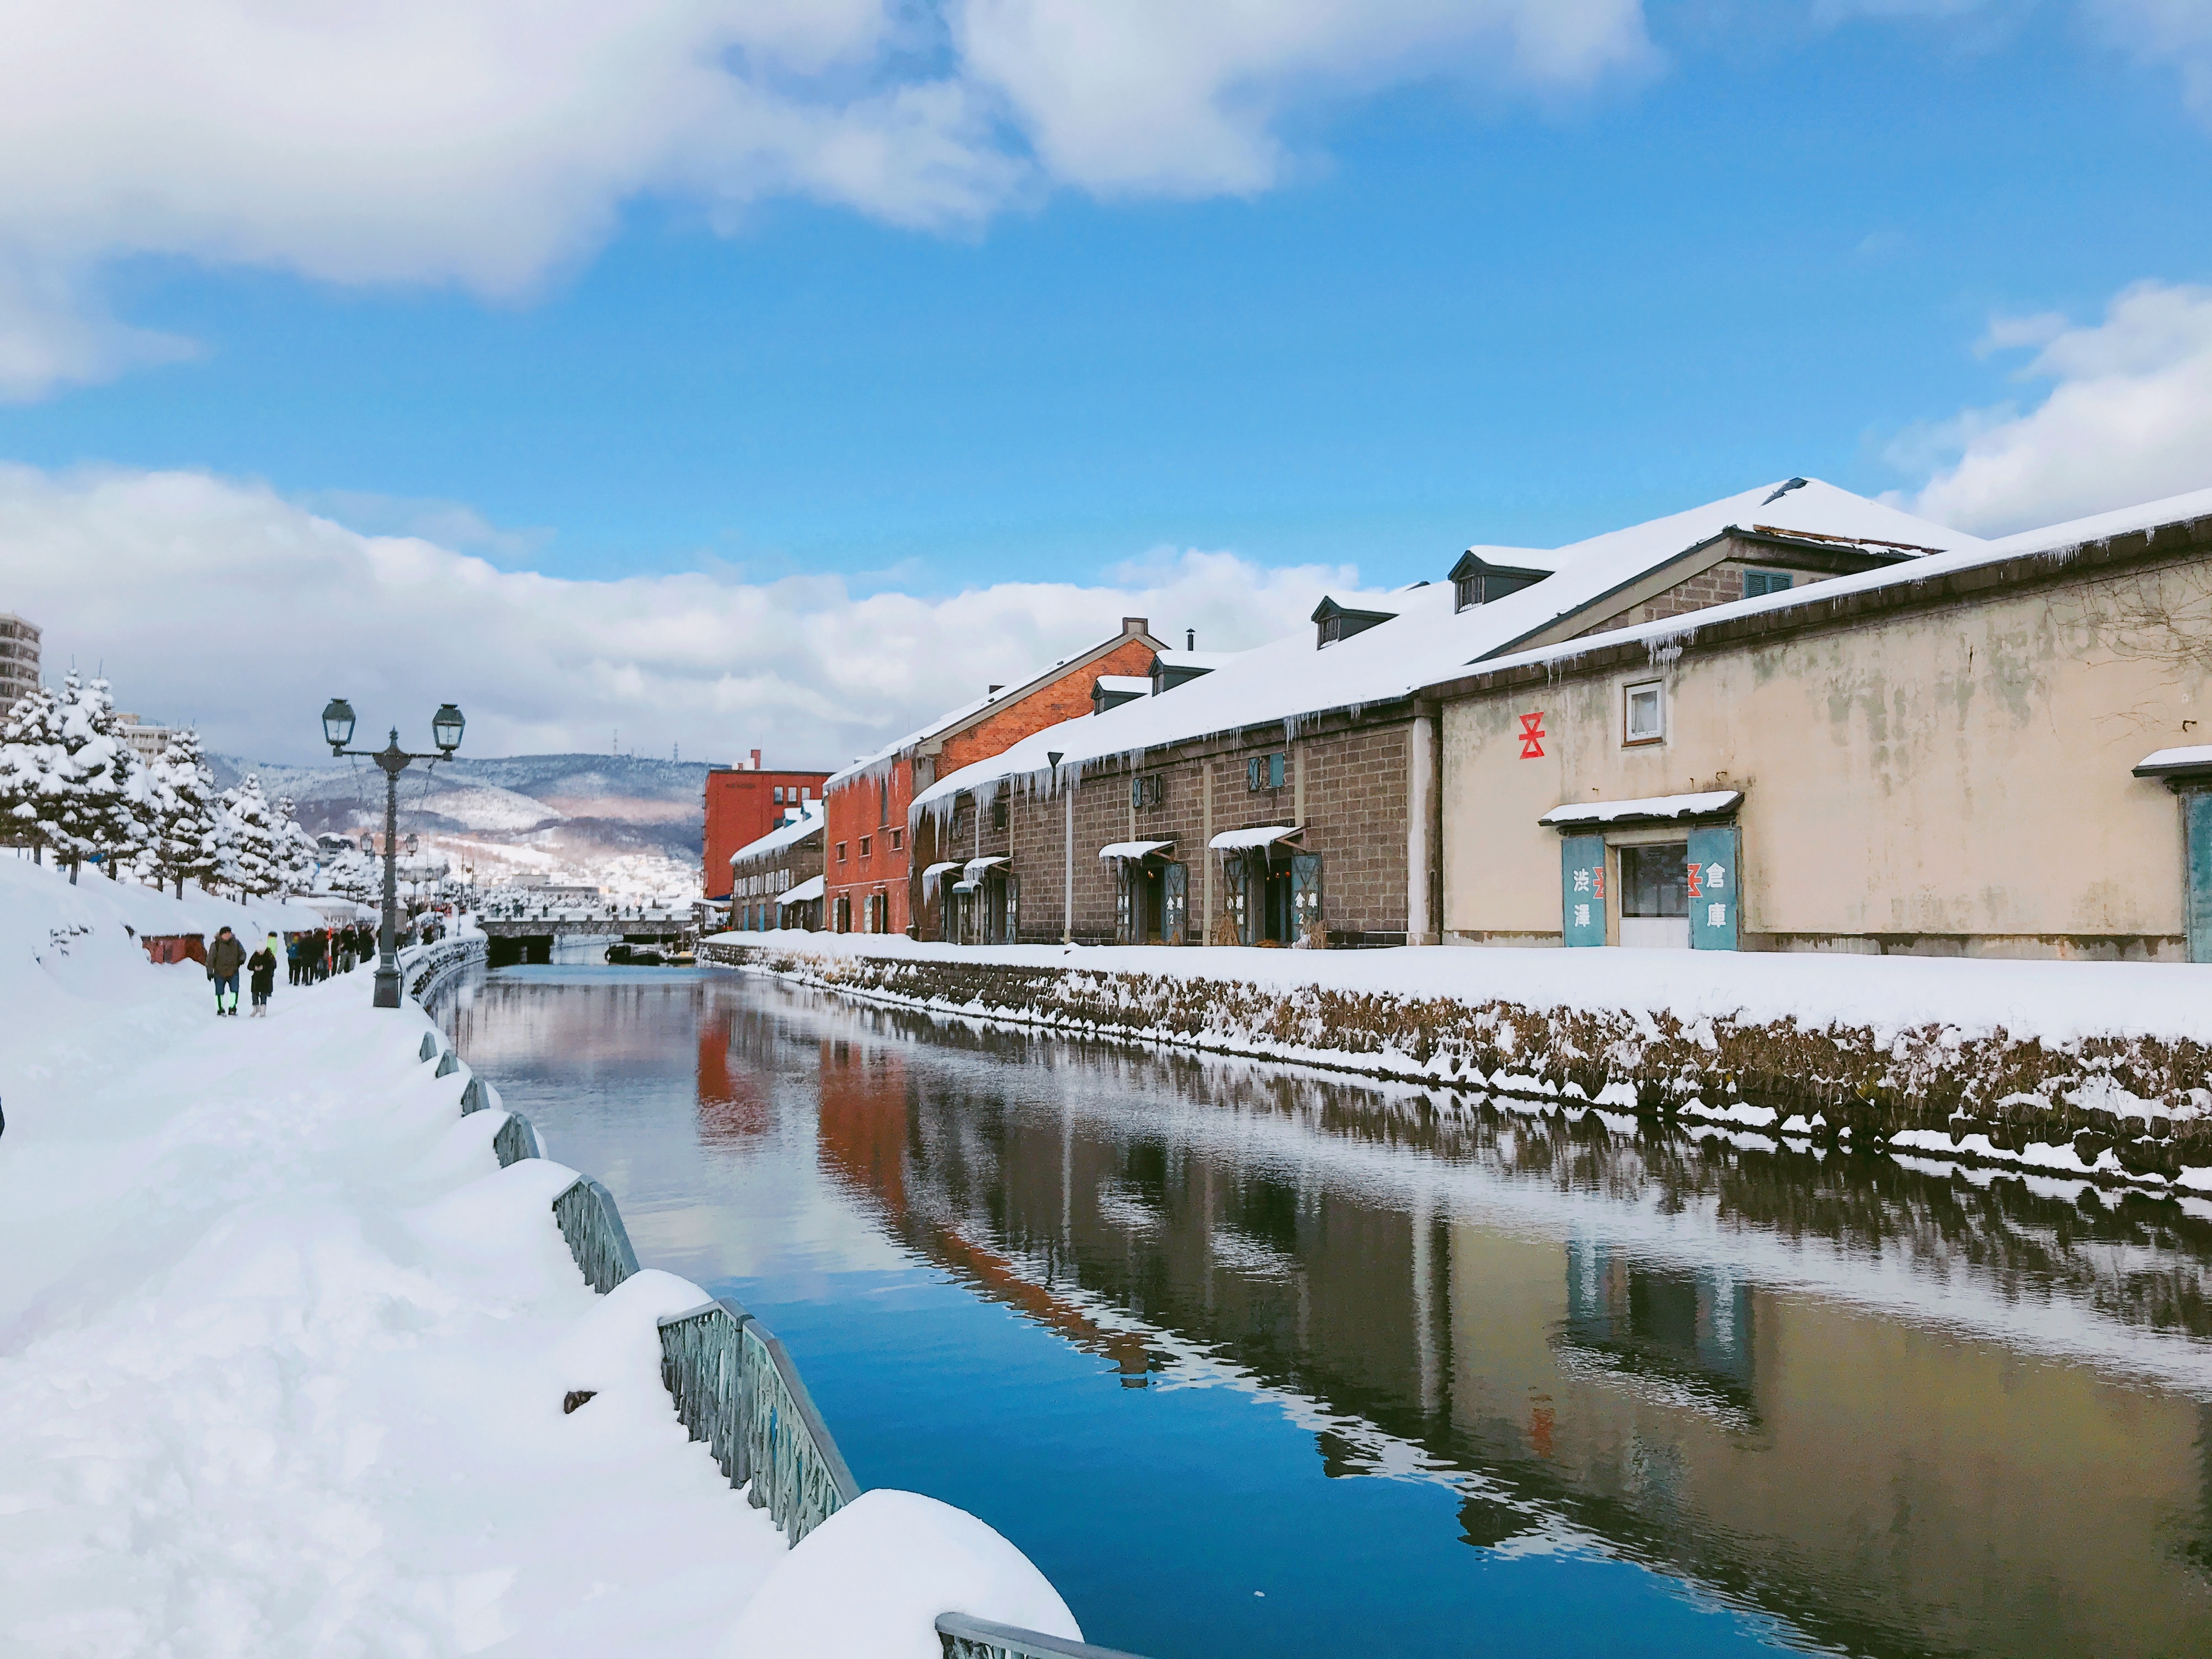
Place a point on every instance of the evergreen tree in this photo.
(107, 776)
(251, 841)
(296, 852)
(30, 757)
(184, 808)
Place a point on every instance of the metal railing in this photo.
(978, 1638)
(514, 1140)
(422, 966)
(736, 1390)
(596, 1236)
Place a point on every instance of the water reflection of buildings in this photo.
(1889, 1486)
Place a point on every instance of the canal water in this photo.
(1253, 1360)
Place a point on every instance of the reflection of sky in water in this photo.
(1150, 1315)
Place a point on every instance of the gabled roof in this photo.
(2053, 539)
(955, 721)
(1426, 639)
(808, 823)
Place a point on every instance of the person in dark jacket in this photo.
(225, 958)
(262, 965)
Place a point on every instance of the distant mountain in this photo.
(581, 807)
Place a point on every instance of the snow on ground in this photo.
(2059, 1001)
(283, 1351)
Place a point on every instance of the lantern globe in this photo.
(337, 723)
(447, 726)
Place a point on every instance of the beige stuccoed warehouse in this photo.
(1993, 751)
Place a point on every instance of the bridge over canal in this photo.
(526, 935)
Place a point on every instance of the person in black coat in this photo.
(262, 965)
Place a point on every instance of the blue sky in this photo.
(1449, 301)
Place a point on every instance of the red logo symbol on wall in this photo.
(1532, 736)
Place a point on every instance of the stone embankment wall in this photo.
(2135, 1110)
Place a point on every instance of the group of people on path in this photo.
(313, 955)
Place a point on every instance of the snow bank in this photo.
(289, 1364)
(2055, 1001)
(2100, 1068)
(283, 1351)
(918, 1558)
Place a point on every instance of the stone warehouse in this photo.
(1998, 752)
(776, 881)
(1290, 794)
(870, 852)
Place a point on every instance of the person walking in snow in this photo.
(262, 965)
(292, 957)
(225, 958)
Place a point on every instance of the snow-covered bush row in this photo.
(2019, 1070)
(71, 785)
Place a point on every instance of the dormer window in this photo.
(1334, 622)
(1475, 580)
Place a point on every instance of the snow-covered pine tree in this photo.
(109, 778)
(30, 751)
(184, 808)
(251, 842)
(297, 853)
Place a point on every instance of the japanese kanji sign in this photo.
(1581, 887)
(1714, 853)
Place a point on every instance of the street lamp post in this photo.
(445, 727)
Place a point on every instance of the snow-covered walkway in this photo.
(283, 1351)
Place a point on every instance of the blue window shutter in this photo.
(1582, 890)
(1274, 771)
(1716, 887)
(2196, 822)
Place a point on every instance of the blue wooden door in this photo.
(2196, 823)
(1582, 890)
(1716, 887)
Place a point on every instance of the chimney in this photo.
(1190, 639)
(1133, 625)
(756, 760)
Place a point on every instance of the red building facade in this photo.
(744, 803)
(865, 852)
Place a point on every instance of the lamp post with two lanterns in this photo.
(446, 727)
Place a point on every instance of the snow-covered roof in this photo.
(808, 823)
(1205, 660)
(976, 866)
(2165, 763)
(809, 889)
(1647, 809)
(1238, 840)
(1965, 553)
(1514, 558)
(1429, 640)
(1127, 685)
(1133, 849)
(938, 870)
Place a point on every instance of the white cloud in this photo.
(2177, 32)
(1173, 96)
(2128, 419)
(218, 602)
(488, 144)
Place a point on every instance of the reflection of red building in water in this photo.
(744, 803)
(864, 1129)
(733, 1101)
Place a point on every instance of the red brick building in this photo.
(865, 855)
(744, 803)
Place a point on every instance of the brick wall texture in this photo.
(1723, 584)
(1354, 797)
(857, 809)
